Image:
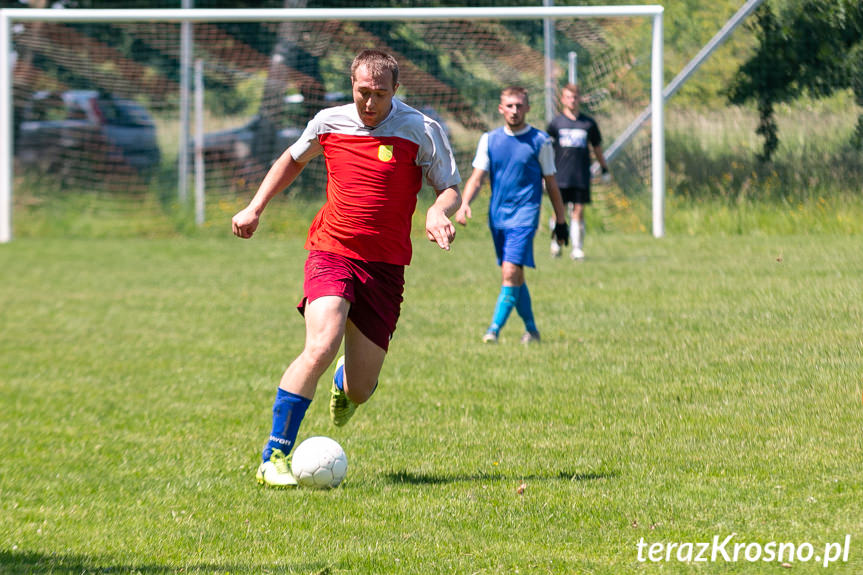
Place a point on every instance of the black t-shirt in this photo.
(571, 153)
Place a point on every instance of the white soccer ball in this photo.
(319, 463)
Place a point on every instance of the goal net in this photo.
(139, 123)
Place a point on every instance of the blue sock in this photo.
(505, 302)
(289, 410)
(339, 378)
(525, 309)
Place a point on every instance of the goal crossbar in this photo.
(319, 14)
(10, 16)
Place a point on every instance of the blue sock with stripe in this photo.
(339, 379)
(506, 301)
(525, 309)
(289, 409)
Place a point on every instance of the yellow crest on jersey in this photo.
(385, 153)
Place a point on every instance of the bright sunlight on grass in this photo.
(685, 388)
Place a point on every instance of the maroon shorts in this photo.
(373, 288)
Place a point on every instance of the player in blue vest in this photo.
(518, 159)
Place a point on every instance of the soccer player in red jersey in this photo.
(377, 151)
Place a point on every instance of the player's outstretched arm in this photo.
(283, 172)
(439, 228)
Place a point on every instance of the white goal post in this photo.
(10, 17)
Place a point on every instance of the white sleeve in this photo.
(307, 146)
(481, 161)
(546, 158)
(438, 161)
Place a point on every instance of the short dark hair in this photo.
(515, 91)
(377, 62)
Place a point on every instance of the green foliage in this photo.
(810, 47)
(713, 156)
(688, 26)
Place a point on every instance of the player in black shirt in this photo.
(575, 134)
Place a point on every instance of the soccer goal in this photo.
(117, 113)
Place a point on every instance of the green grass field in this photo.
(687, 388)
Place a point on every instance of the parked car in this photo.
(239, 145)
(86, 125)
(249, 142)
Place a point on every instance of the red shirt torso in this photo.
(372, 188)
(374, 175)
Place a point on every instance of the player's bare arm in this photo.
(556, 199)
(600, 157)
(439, 228)
(561, 230)
(283, 172)
(471, 190)
(604, 174)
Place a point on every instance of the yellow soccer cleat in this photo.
(341, 406)
(276, 472)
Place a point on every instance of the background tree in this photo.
(812, 47)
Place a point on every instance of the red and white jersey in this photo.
(373, 178)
